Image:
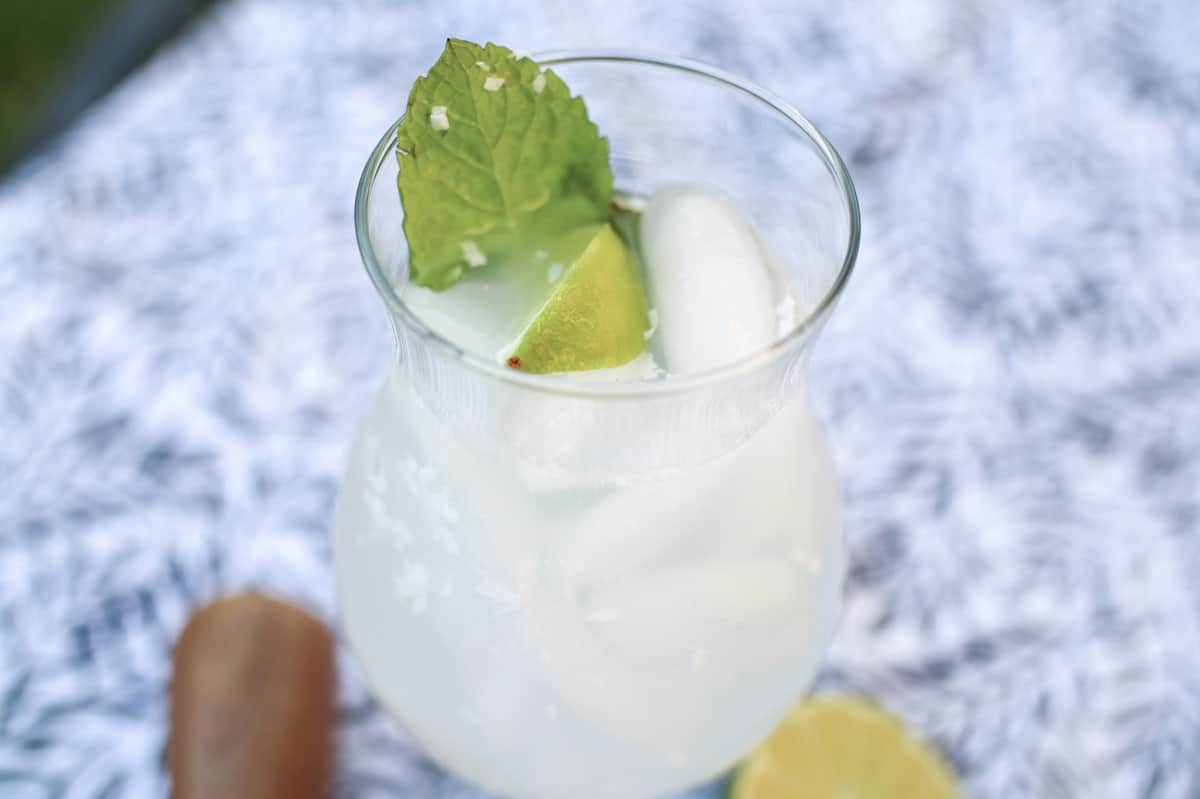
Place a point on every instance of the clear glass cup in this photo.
(565, 588)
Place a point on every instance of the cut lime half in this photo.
(843, 748)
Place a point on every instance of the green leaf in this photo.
(507, 159)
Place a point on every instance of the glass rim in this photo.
(564, 385)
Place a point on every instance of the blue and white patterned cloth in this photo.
(1012, 382)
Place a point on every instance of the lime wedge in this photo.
(843, 748)
(596, 316)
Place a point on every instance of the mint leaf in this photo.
(495, 154)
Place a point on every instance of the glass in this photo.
(570, 589)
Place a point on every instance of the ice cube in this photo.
(460, 316)
(591, 679)
(490, 305)
(700, 604)
(633, 527)
(708, 279)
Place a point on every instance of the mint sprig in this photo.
(495, 155)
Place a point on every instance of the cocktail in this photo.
(588, 542)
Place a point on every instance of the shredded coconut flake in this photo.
(492, 83)
(554, 272)
(653, 314)
(474, 255)
(485, 66)
(539, 82)
(438, 118)
(412, 586)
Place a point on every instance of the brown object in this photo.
(252, 703)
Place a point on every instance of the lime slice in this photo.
(596, 317)
(843, 748)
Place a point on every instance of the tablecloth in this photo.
(1011, 383)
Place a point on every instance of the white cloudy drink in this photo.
(594, 641)
(658, 623)
(588, 542)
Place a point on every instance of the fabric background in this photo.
(1012, 383)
